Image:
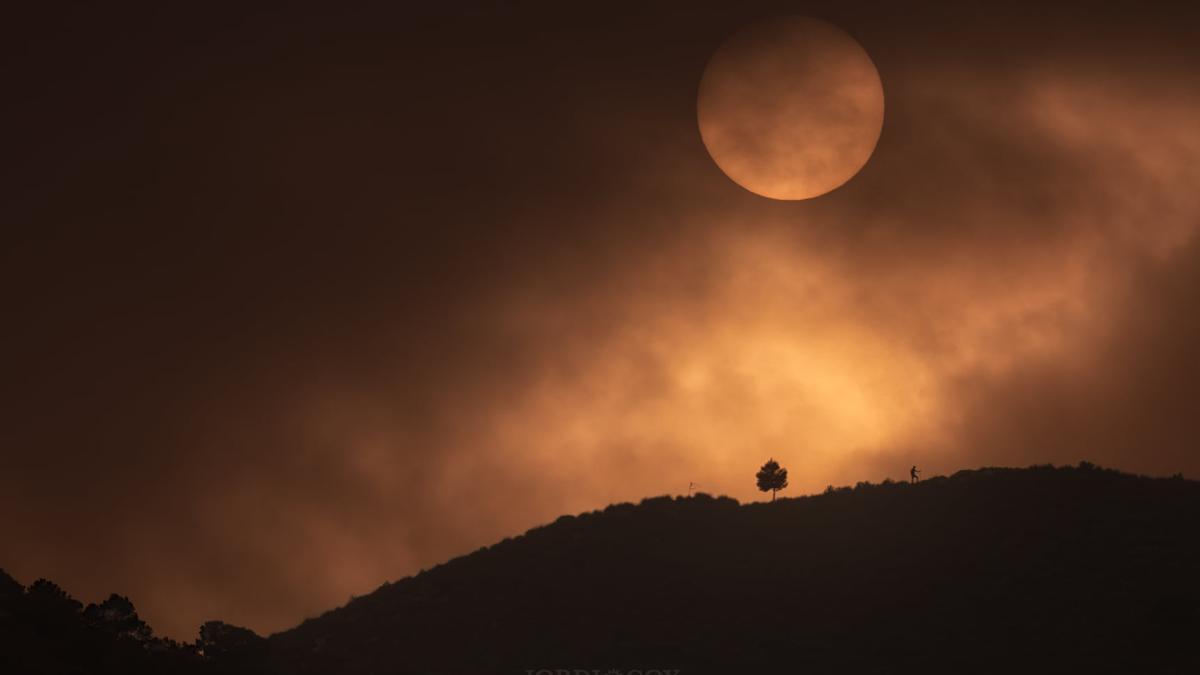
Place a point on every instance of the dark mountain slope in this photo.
(995, 570)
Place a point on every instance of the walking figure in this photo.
(914, 474)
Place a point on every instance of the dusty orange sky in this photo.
(301, 301)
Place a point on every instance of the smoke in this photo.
(307, 307)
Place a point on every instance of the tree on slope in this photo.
(772, 478)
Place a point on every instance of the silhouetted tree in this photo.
(44, 632)
(117, 616)
(46, 601)
(772, 478)
(231, 648)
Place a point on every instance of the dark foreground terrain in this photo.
(996, 570)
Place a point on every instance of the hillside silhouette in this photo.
(995, 570)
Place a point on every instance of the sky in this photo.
(302, 299)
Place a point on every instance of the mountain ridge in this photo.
(852, 577)
(1040, 569)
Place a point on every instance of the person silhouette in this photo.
(914, 474)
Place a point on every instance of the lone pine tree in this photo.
(772, 477)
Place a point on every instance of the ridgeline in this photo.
(1042, 569)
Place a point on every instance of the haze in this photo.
(298, 302)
